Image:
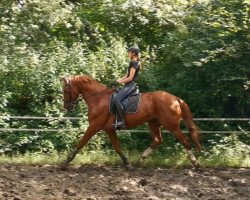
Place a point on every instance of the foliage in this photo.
(197, 50)
(227, 148)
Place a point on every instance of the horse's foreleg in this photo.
(87, 136)
(117, 146)
(70, 157)
(157, 140)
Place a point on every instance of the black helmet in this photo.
(134, 49)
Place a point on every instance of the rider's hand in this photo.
(114, 84)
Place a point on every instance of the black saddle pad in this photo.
(130, 104)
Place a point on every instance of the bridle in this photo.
(72, 103)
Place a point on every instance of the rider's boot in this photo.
(120, 122)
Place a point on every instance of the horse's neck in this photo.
(90, 90)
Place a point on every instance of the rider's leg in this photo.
(120, 123)
(122, 94)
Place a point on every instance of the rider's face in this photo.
(130, 54)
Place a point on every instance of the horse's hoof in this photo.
(63, 166)
(196, 164)
(129, 167)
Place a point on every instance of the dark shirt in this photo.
(136, 66)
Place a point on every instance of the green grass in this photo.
(176, 160)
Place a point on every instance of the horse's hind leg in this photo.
(117, 146)
(184, 140)
(157, 140)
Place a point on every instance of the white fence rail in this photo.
(81, 118)
(247, 120)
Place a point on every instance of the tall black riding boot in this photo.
(120, 122)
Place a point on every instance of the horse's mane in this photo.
(89, 80)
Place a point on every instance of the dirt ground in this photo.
(93, 182)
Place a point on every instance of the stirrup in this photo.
(119, 125)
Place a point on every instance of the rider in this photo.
(129, 83)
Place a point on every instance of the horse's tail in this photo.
(189, 122)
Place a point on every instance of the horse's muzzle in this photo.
(70, 105)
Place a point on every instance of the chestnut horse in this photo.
(158, 109)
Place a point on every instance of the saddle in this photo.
(130, 103)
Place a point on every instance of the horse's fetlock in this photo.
(129, 167)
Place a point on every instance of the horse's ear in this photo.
(64, 80)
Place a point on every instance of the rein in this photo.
(98, 93)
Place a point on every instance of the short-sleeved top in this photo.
(136, 66)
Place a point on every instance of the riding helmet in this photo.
(134, 49)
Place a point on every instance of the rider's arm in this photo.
(121, 79)
(126, 79)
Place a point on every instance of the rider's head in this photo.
(134, 51)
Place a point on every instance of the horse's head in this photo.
(70, 94)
